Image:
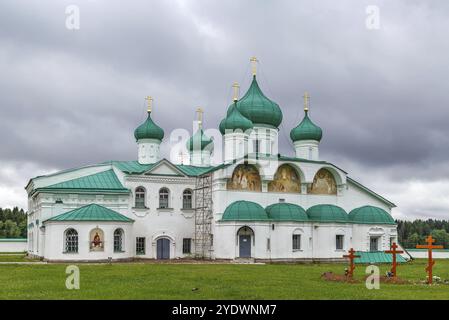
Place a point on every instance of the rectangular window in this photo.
(374, 244)
(257, 146)
(268, 244)
(296, 242)
(186, 245)
(140, 246)
(339, 241)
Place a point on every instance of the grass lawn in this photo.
(14, 257)
(214, 281)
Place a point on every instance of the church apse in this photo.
(323, 183)
(286, 179)
(246, 178)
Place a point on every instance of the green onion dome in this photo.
(244, 211)
(221, 127)
(286, 212)
(306, 130)
(199, 139)
(236, 121)
(255, 106)
(370, 215)
(149, 130)
(327, 213)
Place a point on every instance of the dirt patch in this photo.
(330, 276)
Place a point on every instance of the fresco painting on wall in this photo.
(323, 183)
(286, 179)
(245, 177)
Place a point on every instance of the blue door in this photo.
(245, 246)
(163, 248)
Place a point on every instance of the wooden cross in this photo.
(351, 257)
(429, 246)
(393, 251)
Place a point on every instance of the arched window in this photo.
(118, 240)
(323, 183)
(71, 241)
(140, 197)
(163, 198)
(187, 199)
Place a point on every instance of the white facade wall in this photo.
(307, 149)
(9, 245)
(149, 151)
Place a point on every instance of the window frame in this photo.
(118, 243)
(187, 193)
(140, 198)
(337, 242)
(296, 242)
(187, 246)
(164, 198)
(71, 241)
(140, 244)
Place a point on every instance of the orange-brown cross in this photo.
(430, 262)
(393, 251)
(351, 257)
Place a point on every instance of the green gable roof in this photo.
(102, 181)
(91, 212)
(372, 257)
(286, 212)
(370, 215)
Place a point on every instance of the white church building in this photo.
(254, 205)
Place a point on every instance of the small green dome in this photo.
(244, 211)
(370, 215)
(306, 130)
(200, 139)
(149, 130)
(236, 121)
(327, 213)
(221, 127)
(286, 212)
(255, 106)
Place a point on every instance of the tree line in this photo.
(13, 223)
(411, 233)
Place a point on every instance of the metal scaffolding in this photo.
(203, 217)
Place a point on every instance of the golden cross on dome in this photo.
(306, 101)
(236, 88)
(150, 102)
(254, 65)
(200, 112)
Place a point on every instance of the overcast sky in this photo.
(378, 84)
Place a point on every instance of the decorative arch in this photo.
(96, 239)
(286, 179)
(246, 178)
(324, 182)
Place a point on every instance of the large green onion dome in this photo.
(149, 130)
(244, 211)
(327, 213)
(286, 212)
(236, 121)
(306, 130)
(370, 215)
(255, 106)
(199, 139)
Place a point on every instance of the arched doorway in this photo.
(245, 237)
(163, 248)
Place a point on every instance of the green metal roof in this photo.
(91, 212)
(106, 181)
(199, 139)
(13, 240)
(370, 215)
(255, 106)
(149, 130)
(327, 213)
(244, 211)
(373, 257)
(286, 212)
(235, 121)
(306, 130)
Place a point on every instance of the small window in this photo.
(71, 241)
(140, 246)
(163, 198)
(268, 244)
(339, 241)
(296, 242)
(187, 199)
(118, 240)
(140, 197)
(186, 246)
(374, 244)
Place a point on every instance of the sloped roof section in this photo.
(372, 257)
(91, 212)
(106, 180)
